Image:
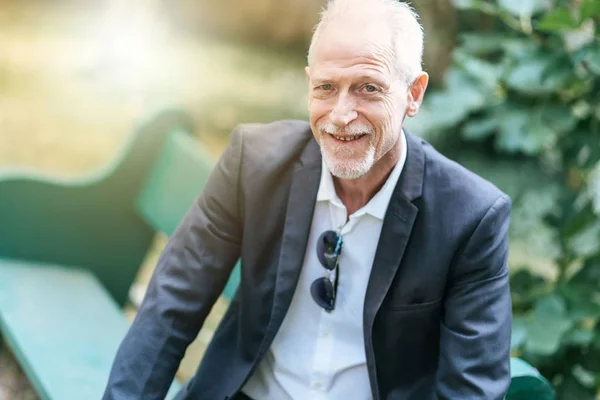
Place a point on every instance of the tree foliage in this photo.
(521, 106)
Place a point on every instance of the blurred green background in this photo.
(515, 96)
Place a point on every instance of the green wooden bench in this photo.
(527, 383)
(71, 249)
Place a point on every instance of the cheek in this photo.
(316, 110)
(381, 116)
(384, 117)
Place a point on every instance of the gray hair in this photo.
(407, 32)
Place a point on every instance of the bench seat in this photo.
(63, 321)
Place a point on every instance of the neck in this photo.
(356, 193)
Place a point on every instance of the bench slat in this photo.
(63, 327)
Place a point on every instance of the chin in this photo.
(349, 170)
(348, 174)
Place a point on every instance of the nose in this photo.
(344, 111)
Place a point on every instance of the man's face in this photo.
(357, 100)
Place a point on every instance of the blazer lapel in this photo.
(395, 233)
(301, 203)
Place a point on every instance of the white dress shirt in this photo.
(318, 354)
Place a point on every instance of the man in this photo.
(372, 266)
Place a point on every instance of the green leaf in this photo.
(547, 326)
(529, 231)
(526, 75)
(528, 129)
(519, 332)
(523, 282)
(545, 334)
(558, 117)
(588, 274)
(535, 237)
(481, 43)
(522, 8)
(512, 128)
(517, 48)
(592, 59)
(551, 305)
(479, 5)
(570, 389)
(520, 131)
(580, 299)
(558, 20)
(538, 75)
(594, 188)
(448, 107)
(540, 201)
(514, 177)
(586, 242)
(537, 136)
(477, 129)
(465, 4)
(559, 72)
(482, 71)
(589, 9)
(585, 377)
(577, 220)
(579, 337)
(596, 341)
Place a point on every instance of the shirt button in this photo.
(325, 332)
(317, 385)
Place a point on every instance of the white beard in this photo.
(340, 159)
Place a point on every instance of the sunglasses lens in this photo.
(322, 293)
(326, 249)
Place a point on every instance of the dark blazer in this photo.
(437, 315)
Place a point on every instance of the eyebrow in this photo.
(363, 76)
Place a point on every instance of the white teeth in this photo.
(347, 138)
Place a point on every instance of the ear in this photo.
(416, 92)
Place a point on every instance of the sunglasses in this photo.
(323, 290)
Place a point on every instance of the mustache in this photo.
(354, 129)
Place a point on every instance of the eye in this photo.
(326, 87)
(370, 88)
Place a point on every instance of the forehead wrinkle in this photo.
(344, 74)
(341, 42)
(357, 69)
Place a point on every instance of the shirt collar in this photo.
(377, 206)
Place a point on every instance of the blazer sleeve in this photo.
(189, 277)
(476, 327)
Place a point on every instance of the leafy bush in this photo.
(521, 106)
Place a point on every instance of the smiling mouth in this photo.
(348, 138)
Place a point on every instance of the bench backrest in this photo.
(176, 180)
(88, 222)
(178, 177)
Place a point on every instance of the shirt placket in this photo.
(321, 368)
(320, 376)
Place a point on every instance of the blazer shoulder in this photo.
(275, 136)
(270, 148)
(454, 183)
